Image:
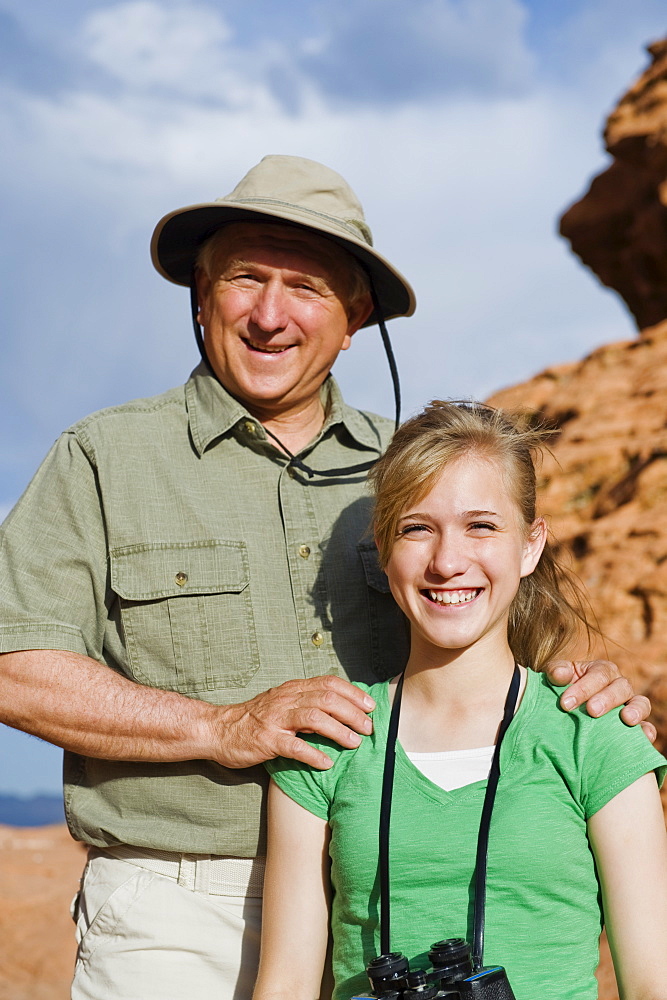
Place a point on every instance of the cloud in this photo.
(462, 192)
(378, 51)
(387, 51)
(187, 52)
(144, 46)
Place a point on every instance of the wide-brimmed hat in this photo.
(298, 191)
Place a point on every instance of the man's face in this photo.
(275, 315)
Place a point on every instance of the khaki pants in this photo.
(144, 936)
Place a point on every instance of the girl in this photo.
(577, 822)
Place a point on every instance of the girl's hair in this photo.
(550, 610)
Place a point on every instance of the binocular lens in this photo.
(388, 972)
(451, 959)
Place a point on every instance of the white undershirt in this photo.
(454, 768)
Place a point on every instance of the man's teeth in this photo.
(452, 596)
(266, 348)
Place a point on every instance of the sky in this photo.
(466, 127)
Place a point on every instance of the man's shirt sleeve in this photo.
(53, 559)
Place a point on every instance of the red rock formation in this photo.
(604, 487)
(604, 491)
(619, 227)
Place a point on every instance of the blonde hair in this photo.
(549, 610)
(354, 280)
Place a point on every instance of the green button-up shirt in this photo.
(168, 539)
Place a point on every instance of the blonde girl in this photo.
(577, 830)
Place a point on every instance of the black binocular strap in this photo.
(385, 818)
(294, 460)
(479, 877)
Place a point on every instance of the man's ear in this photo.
(203, 283)
(357, 316)
(534, 546)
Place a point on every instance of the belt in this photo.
(212, 874)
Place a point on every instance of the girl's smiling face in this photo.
(459, 555)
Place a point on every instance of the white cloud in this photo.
(462, 195)
(183, 50)
(143, 43)
(420, 50)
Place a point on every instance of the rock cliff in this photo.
(619, 227)
(603, 486)
(603, 489)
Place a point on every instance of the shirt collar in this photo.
(355, 422)
(212, 412)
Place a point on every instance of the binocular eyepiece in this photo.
(452, 975)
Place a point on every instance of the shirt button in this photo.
(304, 551)
(317, 639)
(181, 579)
(249, 427)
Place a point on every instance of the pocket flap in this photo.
(171, 569)
(375, 575)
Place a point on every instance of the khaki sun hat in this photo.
(301, 192)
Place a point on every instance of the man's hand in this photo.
(266, 726)
(600, 685)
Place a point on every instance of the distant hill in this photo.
(38, 810)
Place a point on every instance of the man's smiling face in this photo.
(275, 314)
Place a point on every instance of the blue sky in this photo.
(465, 126)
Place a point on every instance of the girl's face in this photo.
(459, 555)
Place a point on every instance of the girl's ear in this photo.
(533, 546)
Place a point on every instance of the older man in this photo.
(188, 581)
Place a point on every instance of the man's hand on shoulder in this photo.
(266, 726)
(600, 685)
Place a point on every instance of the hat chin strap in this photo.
(294, 460)
(194, 312)
(393, 368)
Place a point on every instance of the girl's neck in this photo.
(456, 703)
(465, 676)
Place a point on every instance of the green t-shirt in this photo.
(543, 909)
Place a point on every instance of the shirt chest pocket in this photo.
(187, 614)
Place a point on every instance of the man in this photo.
(183, 570)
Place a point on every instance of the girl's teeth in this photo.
(452, 596)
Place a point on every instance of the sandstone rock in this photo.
(603, 489)
(619, 227)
